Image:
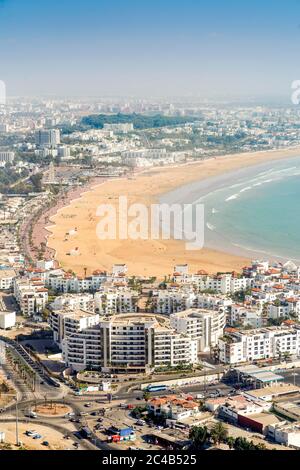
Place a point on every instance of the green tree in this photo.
(230, 442)
(219, 433)
(199, 435)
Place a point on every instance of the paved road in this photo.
(289, 376)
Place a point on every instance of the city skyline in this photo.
(98, 48)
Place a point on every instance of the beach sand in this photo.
(144, 257)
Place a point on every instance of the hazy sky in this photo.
(149, 47)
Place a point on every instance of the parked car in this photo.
(31, 414)
(31, 433)
(140, 422)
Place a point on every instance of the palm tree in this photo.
(218, 433)
(199, 436)
(230, 442)
(146, 396)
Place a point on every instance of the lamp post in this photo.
(17, 424)
(17, 417)
(294, 374)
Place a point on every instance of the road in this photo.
(289, 376)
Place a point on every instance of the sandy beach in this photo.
(73, 229)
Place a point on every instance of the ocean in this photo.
(252, 212)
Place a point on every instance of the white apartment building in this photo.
(177, 300)
(7, 320)
(246, 346)
(31, 296)
(7, 277)
(66, 323)
(222, 284)
(64, 152)
(246, 316)
(68, 283)
(169, 301)
(83, 349)
(159, 153)
(128, 343)
(7, 157)
(284, 308)
(286, 433)
(213, 302)
(84, 302)
(203, 326)
(110, 301)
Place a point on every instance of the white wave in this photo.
(214, 211)
(231, 198)
(263, 252)
(237, 185)
(210, 227)
(246, 189)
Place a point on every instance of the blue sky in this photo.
(150, 48)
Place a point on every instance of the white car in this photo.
(140, 422)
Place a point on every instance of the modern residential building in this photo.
(31, 295)
(7, 277)
(238, 346)
(83, 302)
(203, 326)
(7, 157)
(113, 300)
(129, 343)
(47, 138)
(66, 323)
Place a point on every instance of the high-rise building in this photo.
(7, 157)
(124, 343)
(47, 138)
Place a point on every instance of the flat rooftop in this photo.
(136, 318)
(7, 273)
(75, 314)
(290, 407)
(195, 312)
(266, 377)
(275, 390)
(265, 418)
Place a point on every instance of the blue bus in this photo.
(156, 388)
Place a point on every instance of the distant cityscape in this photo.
(191, 360)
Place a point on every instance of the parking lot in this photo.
(48, 439)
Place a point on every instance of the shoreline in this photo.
(145, 257)
(201, 190)
(40, 232)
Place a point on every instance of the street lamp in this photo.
(294, 374)
(17, 417)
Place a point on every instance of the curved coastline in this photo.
(151, 186)
(249, 177)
